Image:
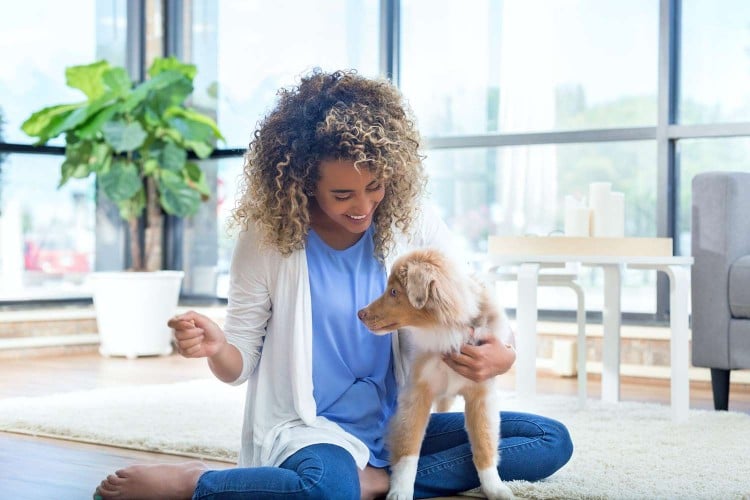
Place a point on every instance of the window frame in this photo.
(666, 134)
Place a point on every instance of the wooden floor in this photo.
(35, 468)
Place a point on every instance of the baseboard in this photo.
(695, 374)
(49, 341)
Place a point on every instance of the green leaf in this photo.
(117, 81)
(151, 117)
(71, 169)
(196, 179)
(123, 136)
(81, 115)
(135, 98)
(104, 166)
(150, 166)
(121, 181)
(172, 134)
(78, 152)
(82, 158)
(71, 121)
(193, 115)
(162, 64)
(132, 208)
(194, 135)
(87, 78)
(172, 93)
(141, 91)
(173, 157)
(43, 121)
(201, 149)
(190, 130)
(176, 197)
(93, 126)
(100, 158)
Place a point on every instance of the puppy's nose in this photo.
(362, 314)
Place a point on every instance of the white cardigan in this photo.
(269, 312)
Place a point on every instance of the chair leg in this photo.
(720, 386)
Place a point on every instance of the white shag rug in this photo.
(622, 450)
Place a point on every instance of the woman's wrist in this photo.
(226, 362)
(507, 357)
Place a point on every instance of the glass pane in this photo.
(207, 240)
(47, 235)
(521, 190)
(704, 155)
(246, 50)
(714, 61)
(529, 65)
(230, 175)
(39, 39)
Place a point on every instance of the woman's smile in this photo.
(347, 197)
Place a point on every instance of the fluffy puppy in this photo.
(442, 307)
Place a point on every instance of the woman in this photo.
(332, 188)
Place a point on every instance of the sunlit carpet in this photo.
(622, 450)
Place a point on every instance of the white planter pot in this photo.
(132, 310)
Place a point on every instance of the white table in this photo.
(676, 268)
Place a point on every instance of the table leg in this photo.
(678, 323)
(611, 326)
(581, 343)
(526, 324)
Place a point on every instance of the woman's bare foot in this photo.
(158, 482)
(373, 483)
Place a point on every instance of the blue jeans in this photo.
(532, 447)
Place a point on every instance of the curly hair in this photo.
(330, 116)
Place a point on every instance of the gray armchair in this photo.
(721, 277)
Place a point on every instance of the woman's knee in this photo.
(560, 445)
(327, 471)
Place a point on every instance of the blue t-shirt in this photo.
(353, 380)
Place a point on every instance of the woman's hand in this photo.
(196, 335)
(484, 361)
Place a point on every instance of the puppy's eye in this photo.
(393, 292)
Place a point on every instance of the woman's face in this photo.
(348, 197)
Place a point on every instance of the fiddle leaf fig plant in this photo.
(135, 138)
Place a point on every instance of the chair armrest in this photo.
(720, 235)
(721, 218)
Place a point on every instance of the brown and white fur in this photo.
(440, 306)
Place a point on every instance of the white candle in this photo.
(598, 203)
(616, 215)
(577, 221)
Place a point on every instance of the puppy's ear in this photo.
(419, 278)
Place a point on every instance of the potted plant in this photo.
(135, 138)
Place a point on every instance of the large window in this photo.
(39, 39)
(520, 103)
(529, 65)
(715, 62)
(520, 190)
(713, 93)
(705, 155)
(520, 68)
(245, 51)
(47, 236)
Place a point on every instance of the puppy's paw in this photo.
(498, 491)
(403, 472)
(492, 486)
(400, 495)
